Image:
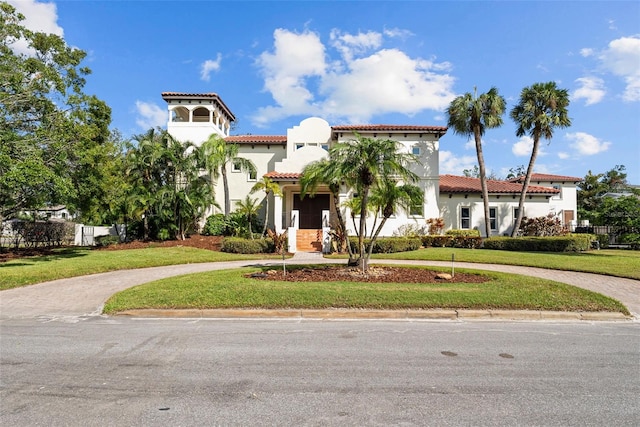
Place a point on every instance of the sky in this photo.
(275, 63)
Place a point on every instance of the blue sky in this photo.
(275, 63)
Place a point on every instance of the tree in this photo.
(42, 117)
(325, 172)
(362, 163)
(218, 155)
(389, 195)
(542, 108)
(269, 187)
(248, 208)
(471, 115)
(593, 187)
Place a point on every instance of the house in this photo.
(194, 117)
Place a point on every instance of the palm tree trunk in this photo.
(363, 220)
(341, 223)
(225, 185)
(266, 215)
(483, 181)
(525, 185)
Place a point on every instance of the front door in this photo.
(311, 210)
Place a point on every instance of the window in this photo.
(559, 195)
(299, 146)
(515, 214)
(415, 150)
(493, 218)
(252, 175)
(465, 217)
(325, 147)
(416, 210)
(235, 167)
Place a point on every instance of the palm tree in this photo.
(217, 156)
(542, 108)
(248, 208)
(362, 163)
(324, 172)
(471, 115)
(269, 187)
(389, 195)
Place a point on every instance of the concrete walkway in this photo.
(84, 296)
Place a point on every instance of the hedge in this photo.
(387, 245)
(569, 243)
(238, 245)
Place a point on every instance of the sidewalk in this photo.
(84, 296)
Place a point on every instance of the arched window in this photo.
(180, 114)
(201, 115)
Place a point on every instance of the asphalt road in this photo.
(100, 371)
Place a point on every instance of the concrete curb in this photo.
(344, 314)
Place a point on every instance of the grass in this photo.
(619, 263)
(230, 289)
(73, 262)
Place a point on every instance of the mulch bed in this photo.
(374, 275)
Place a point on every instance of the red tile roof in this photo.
(257, 139)
(390, 128)
(167, 96)
(283, 176)
(463, 184)
(547, 178)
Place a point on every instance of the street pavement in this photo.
(81, 297)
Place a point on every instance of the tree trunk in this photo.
(483, 181)
(225, 185)
(363, 220)
(525, 185)
(266, 216)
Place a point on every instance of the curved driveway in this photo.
(85, 295)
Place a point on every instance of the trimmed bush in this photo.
(238, 245)
(102, 241)
(467, 239)
(464, 233)
(387, 245)
(603, 239)
(570, 243)
(216, 225)
(441, 241)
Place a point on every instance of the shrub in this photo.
(215, 225)
(569, 243)
(279, 240)
(464, 233)
(603, 240)
(410, 230)
(441, 241)
(631, 239)
(103, 241)
(387, 245)
(541, 226)
(238, 245)
(435, 225)
(467, 239)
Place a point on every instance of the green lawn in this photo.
(230, 289)
(619, 263)
(77, 262)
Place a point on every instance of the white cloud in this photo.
(563, 156)
(622, 58)
(208, 66)
(454, 165)
(397, 32)
(150, 115)
(362, 81)
(591, 89)
(586, 144)
(586, 52)
(40, 17)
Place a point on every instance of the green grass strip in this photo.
(230, 289)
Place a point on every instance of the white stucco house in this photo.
(194, 117)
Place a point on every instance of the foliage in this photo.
(387, 245)
(218, 156)
(49, 129)
(631, 239)
(541, 109)
(279, 240)
(33, 234)
(468, 239)
(268, 187)
(470, 115)
(463, 232)
(603, 240)
(592, 188)
(569, 243)
(410, 230)
(216, 225)
(620, 212)
(239, 245)
(248, 208)
(103, 241)
(436, 225)
(549, 225)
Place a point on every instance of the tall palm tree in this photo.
(269, 187)
(542, 108)
(324, 172)
(362, 163)
(218, 155)
(471, 115)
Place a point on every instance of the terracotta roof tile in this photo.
(463, 184)
(547, 178)
(257, 139)
(283, 176)
(393, 128)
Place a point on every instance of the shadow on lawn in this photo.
(25, 256)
